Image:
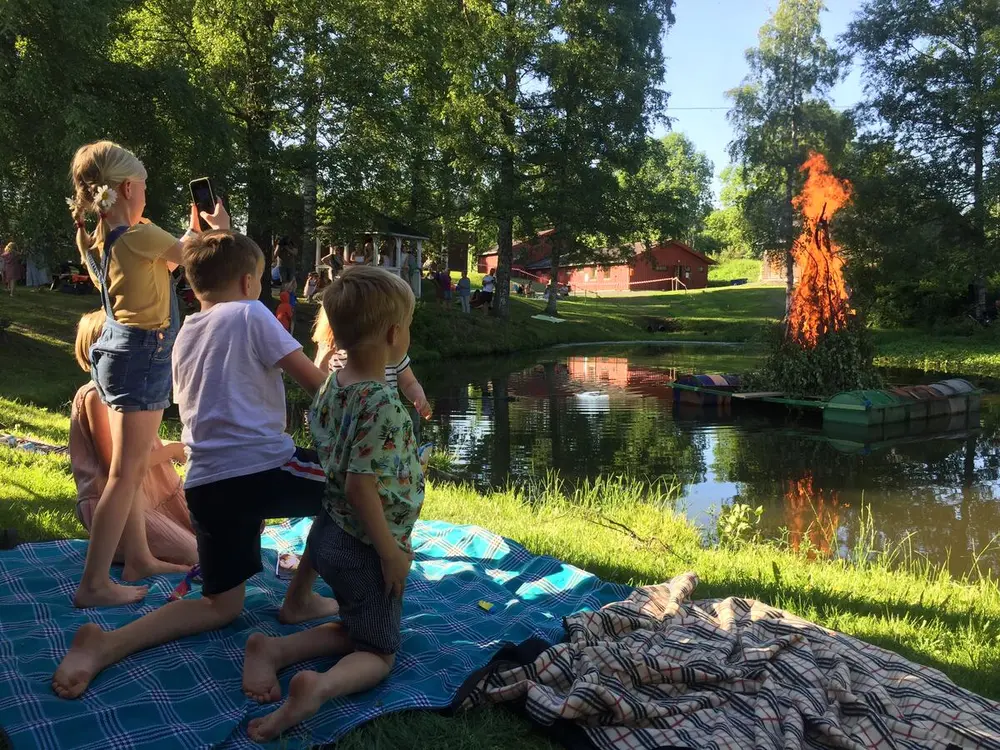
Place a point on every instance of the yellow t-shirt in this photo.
(138, 279)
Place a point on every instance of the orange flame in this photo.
(820, 303)
(812, 515)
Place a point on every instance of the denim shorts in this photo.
(131, 367)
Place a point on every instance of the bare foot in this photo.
(260, 671)
(316, 607)
(147, 568)
(304, 700)
(86, 657)
(110, 595)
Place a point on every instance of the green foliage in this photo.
(671, 193)
(932, 71)
(723, 273)
(737, 525)
(780, 113)
(840, 361)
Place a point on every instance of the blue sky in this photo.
(705, 58)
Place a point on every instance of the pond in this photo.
(588, 411)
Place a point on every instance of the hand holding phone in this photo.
(204, 200)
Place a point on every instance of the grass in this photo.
(884, 597)
(728, 270)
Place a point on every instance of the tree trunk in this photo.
(259, 189)
(310, 117)
(506, 187)
(505, 258)
(555, 255)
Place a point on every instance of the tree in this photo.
(780, 112)
(727, 231)
(932, 76)
(672, 190)
(601, 67)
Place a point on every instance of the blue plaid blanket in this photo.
(187, 694)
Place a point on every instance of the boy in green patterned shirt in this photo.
(360, 545)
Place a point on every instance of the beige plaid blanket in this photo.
(660, 671)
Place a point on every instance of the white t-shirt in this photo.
(488, 282)
(230, 392)
(339, 360)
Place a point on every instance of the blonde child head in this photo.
(97, 173)
(364, 302)
(88, 330)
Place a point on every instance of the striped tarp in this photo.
(660, 671)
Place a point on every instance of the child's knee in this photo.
(389, 660)
(226, 606)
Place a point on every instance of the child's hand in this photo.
(422, 406)
(218, 219)
(395, 570)
(177, 454)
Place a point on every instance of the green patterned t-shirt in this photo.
(364, 429)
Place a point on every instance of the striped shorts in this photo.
(353, 570)
(226, 516)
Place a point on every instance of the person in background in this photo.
(284, 312)
(312, 284)
(169, 534)
(11, 267)
(275, 271)
(464, 290)
(489, 284)
(286, 253)
(443, 278)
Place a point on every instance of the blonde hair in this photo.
(363, 302)
(88, 330)
(322, 333)
(94, 166)
(10, 248)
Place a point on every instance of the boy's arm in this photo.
(412, 389)
(363, 497)
(302, 371)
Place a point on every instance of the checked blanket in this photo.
(660, 671)
(187, 694)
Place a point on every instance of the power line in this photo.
(708, 109)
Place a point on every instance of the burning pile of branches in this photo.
(823, 349)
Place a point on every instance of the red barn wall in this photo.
(667, 261)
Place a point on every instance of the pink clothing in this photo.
(168, 524)
(11, 267)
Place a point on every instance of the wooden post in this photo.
(420, 269)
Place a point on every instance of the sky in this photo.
(705, 58)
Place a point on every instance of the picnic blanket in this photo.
(660, 671)
(187, 694)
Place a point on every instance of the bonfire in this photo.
(820, 303)
(822, 349)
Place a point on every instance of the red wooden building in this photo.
(668, 266)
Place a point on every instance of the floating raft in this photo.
(916, 403)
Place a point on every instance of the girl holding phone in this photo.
(129, 260)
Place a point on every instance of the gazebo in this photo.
(382, 229)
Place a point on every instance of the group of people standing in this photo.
(363, 483)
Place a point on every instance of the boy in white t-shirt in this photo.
(242, 466)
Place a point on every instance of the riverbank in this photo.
(624, 533)
(918, 611)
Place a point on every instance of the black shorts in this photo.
(226, 516)
(353, 570)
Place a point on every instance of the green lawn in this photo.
(922, 613)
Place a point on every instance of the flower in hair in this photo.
(104, 198)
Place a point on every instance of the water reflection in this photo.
(594, 412)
